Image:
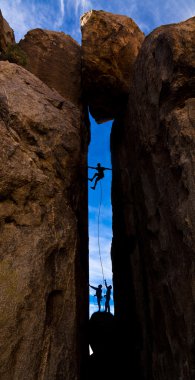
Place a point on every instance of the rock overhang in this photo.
(110, 44)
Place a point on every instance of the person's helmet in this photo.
(99, 286)
(110, 286)
(98, 164)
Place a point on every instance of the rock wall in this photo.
(43, 240)
(153, 196)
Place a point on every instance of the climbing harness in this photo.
(99, 175)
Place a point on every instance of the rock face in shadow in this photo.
(103, 362)
(6, 34)
(55, 58)
(43, 274)
(106, 338)
(110, 44)
(153, 195)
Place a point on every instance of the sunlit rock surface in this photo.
(110, 44)
(6, 34)
(55, 58)
(153, 195)
(43, 240)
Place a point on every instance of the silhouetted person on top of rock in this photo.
(98, 294)
(99, 175)
(108, 293)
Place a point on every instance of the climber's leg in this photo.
(97, 179)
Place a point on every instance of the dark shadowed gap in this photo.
(100, 209)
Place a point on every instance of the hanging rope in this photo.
(99, 230)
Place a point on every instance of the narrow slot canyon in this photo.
(126, 101)
(100, 213)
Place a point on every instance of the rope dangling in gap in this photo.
(99, 231)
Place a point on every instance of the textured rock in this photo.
(153, 250)
(55, 58)
(110, 44)
(6, 34)
(43, 240)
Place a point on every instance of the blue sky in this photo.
(64, 15)
(99, 151)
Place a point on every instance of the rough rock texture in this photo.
(43, 239)
(153, 250)
(55, 58)
(6, 34)
(110, 44)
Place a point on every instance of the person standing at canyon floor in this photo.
(98, 294)
(107, 296)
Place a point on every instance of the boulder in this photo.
(6, 34)
(110, 44)
(153, 195)
(55, 58)
(43, 221)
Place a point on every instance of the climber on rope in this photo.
(98, 294)
(99, 175)
(107, 296)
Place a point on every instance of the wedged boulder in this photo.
(43, 199)
(6, 34)
(55, 58)
(110, 44)
(153, 250)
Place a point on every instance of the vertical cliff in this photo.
(44, 261)
(43, 208)
(153, 195)
(55, 58)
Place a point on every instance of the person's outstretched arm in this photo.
(93, 287)
(106, 283)
(96, 168)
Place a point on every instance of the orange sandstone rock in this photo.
(55, 58)
(42, 190)
(110, 44)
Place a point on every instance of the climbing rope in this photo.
(100, 204)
